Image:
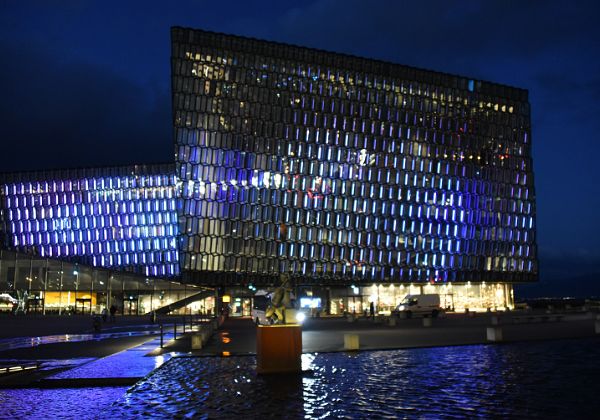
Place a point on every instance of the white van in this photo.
(260, 303)
(419, 305)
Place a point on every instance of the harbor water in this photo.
(547, 379)
(542, 379)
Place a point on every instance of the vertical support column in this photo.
(61, 288)
(217, 304)
(45, 287)
(92, 280)
(30, 274)
(40, 276)
(123, 296)
(108, 291)
(16, 273)
(509, 296)
(76, 273)
(152, 294)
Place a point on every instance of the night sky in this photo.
(88, 84)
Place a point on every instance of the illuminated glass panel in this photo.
(330, 167)
(126, 220)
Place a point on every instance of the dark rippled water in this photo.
(552, 379)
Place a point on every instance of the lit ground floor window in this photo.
(456, 297)
(30, 284)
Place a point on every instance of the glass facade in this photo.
(51, 286)
(122, 218)
(335, 170)
(338, 169)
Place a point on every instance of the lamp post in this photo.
(76, 274)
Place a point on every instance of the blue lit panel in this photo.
(124, 222)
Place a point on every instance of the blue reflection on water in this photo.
(69, 403)
(25, 342)
(549, 379)
(540, 379)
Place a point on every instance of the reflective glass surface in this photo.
(330, 167)
(126, 220)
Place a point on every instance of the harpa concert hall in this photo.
(362, 180)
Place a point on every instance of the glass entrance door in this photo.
(130, 307)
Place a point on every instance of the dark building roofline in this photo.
(351, 62)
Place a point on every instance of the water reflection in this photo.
(307, 361)
(24, 342)
(158, 361)
(516, 380)
(525, 380)
(34, 403)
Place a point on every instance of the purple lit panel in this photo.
(105, 221)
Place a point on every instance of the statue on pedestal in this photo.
(280, 300)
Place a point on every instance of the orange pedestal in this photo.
(278, 348)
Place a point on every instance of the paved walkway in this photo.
(125, 367)
(238, 336)
(101, 360)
